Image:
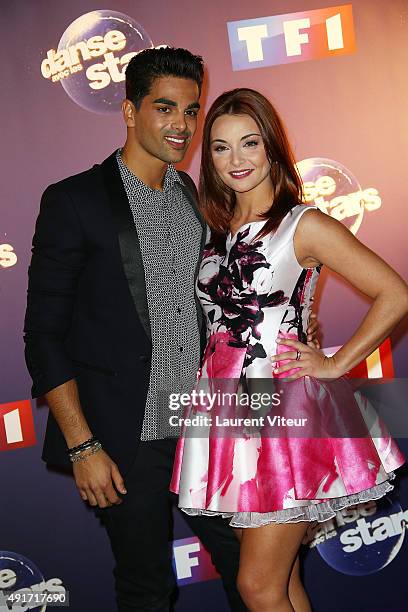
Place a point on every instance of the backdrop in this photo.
(337, 74)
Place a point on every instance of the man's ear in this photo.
(129, 111)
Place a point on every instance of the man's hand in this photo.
(312, 331)
(94, 477)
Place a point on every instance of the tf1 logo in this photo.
(16, 425)
(294, 37)
(189, 553)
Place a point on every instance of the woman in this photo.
(256, 282)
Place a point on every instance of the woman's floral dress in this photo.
(253, 292)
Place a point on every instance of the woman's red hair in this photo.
(217, 199)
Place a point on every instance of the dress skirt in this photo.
(254, 475)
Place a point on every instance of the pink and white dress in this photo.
(253, 292)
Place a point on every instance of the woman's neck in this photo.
(251, 204)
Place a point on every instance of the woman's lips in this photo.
(240, 174)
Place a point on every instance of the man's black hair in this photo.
(151, 64)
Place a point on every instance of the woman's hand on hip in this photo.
(310, 361)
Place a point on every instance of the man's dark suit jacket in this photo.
(87, 316)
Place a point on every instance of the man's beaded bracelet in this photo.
(83, 445)
(79, 455)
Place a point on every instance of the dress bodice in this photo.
(256, 289)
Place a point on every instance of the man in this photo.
(112, 327)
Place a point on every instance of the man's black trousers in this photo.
(140, 532)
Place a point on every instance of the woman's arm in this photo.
(320, 239)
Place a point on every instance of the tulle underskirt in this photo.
(319, 511)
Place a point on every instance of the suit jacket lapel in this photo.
(191, 198)
(128, 239)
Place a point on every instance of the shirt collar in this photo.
(135, 183)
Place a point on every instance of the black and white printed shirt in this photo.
(169, 236)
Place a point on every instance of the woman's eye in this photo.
(251, 143)
(219, 148)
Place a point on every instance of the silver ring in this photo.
(298, 355)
